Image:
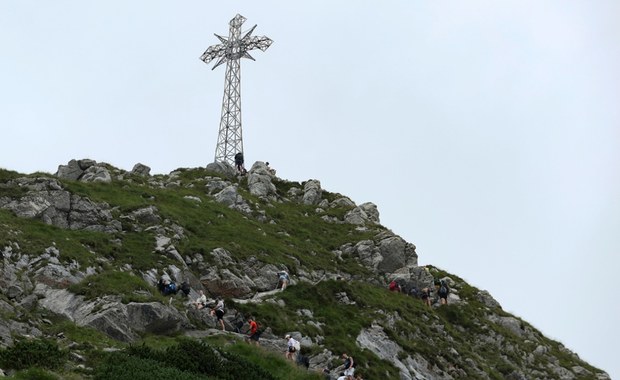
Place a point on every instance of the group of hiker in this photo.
(293, 348)
(425, 294)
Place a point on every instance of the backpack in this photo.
(444, 288)
(297, 345)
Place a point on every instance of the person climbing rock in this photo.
(283, 280)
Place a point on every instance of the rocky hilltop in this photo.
(84, 250)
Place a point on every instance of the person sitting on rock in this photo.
(349, 365)
(201, 301)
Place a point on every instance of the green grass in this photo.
(299, 239)
(119, 283)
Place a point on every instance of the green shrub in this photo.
(33, 353)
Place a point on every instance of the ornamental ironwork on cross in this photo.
(231, 50)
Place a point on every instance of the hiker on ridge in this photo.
(239, 163)
(443, 292)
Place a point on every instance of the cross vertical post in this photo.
(231, 50)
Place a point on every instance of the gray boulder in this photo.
(117, 320)
(71, 171)
(360, 215)
(140, 169)
(259, 181)
(96, 173)
(222, 168)
(312, 192)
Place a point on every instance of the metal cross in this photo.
(231, 50)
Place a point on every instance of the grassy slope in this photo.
(299, 234)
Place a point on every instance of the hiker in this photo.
(254, 333)
(394, 287)
(302, 360)
(168, 287)
(201, 301)
(326, 374)
(443, 292)
(185, 288)
(270, 169)
(413, 291)
(239, 163)
(283, 280)
(426, 296)
(292, 347)
(238, 322)
(349, 365)
(218, 311)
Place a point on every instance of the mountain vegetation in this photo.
(86, 252)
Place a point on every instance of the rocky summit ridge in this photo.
(84, 249)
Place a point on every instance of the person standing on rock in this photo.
(218, 311)
(443, 292)
(239, 163)
(426, 296)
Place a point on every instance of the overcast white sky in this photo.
(487, 133)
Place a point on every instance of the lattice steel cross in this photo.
(231, 50)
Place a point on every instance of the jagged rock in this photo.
(486, 298)
(312, 192)
(58, 207)
(340, 202)
(510, 323)
(117, 320)
(140, 169)
(221, 256)
(224, 283)
(216, 185)
(356, 216)
(228, 196)
(14, 291)
(371, 211)
(96, 173)
(368, 253)
(10, 329)
(396, 253)
(29, 302)
(71, 171)
(222, 168)
(259, 181)
(147, 215)
(362, 214)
